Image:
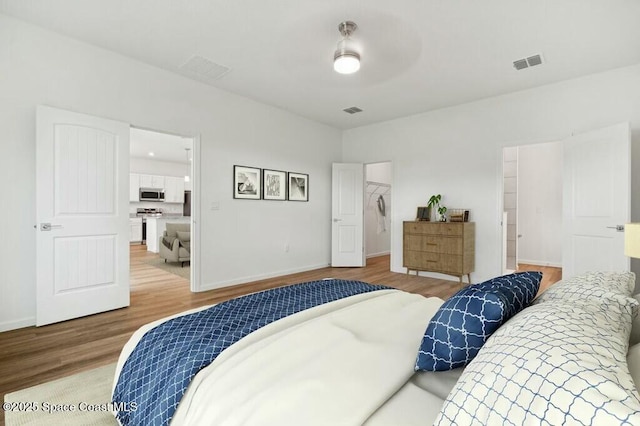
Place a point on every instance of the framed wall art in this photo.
(247, 183)
(274, 185)
(298, 184)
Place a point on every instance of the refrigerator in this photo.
(186, 207)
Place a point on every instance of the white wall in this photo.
(377, 235)
(242, 240)
(155, 167)
(540, 204)
(457, 151)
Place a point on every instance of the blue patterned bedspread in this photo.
(158, 371)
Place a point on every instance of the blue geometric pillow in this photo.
(458, 330)
(464, 322)
(519, 289)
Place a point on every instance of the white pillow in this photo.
(590, 285)
(633, 362)
(635, 327)
(553, 363)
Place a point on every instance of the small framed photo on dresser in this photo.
(274, 185)
(298, 184)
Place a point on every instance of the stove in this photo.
(144, 213)
(148, 212)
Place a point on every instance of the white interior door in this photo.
(82, 210)
(596, 199)
(347, 230)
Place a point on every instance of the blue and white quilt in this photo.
(165, 360)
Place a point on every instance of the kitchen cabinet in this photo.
(173, 189)
(134, 187)
(152, 181)
(135, 229)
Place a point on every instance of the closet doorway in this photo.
(377, 209)
(532, 191)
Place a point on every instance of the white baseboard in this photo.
(382, 253)
(21, 323)
(540, 263)
(244, 280)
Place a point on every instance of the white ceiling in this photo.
(417, 55)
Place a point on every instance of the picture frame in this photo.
(247, 183)
(423, 214)
(274, 185)
(298, 186)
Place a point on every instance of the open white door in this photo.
(82, 212)
(596, 200)
(347, 229)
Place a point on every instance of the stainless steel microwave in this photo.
(150, 194)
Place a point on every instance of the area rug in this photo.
(171, 267)
(80, 399)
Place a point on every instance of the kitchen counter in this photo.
(156, 227)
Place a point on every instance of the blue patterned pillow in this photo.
(464, 322)
(519, 289)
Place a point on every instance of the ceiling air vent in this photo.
(531, 61)
(203, 69)
(352, 110)
(534, 60)
(520, 64)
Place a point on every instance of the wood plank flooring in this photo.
(550, 274)
(31, 355)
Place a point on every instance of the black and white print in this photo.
(298, 187)
(246, 183)
(274, 185)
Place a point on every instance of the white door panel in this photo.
(596, 198)
(82, 191)
(347, 230)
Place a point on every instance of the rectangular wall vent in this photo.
(203, 69)
(531, 61)
(352, 110)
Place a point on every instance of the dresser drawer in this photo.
(443, 247)
(433, 244)
(435, 262)
(433, 228)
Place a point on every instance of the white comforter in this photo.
(335, 364)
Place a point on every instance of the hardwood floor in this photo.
(31, 355)
(550, 274)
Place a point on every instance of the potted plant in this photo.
(434, 204)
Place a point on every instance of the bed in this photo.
(353, 354)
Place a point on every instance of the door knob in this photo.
(337, 220)
(49, 227)
(619, 228)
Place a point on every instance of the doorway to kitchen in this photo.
(161, 194)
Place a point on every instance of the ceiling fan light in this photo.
(346, 59)
(346, 63)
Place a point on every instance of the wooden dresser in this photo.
(444, 247)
